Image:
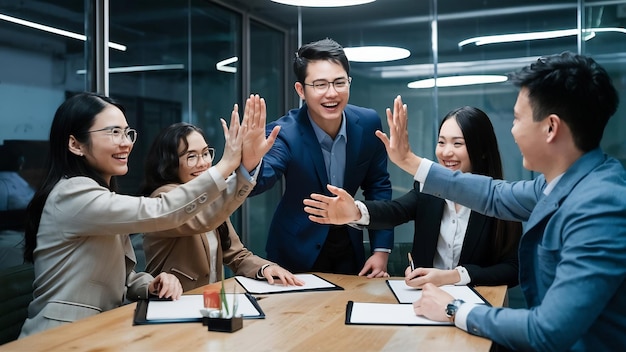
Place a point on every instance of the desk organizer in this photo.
(223, 324)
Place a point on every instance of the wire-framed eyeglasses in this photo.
(321, 85)
(118, 134)
(193, 158)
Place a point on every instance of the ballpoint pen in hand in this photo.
(411, 263)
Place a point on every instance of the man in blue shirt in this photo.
(326, 141)
(573, 250)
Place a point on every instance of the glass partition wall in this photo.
(434, 31)
(192, 60)
(169, 61)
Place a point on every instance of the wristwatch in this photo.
(452, 308)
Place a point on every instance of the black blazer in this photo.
(477, 254)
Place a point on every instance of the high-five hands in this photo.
(255, 144)
(233, 140)
(397, 144)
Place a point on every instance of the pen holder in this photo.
(223, 324)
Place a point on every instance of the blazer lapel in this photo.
(475, 230)
(427, 234)
(550, 203)
(354, 137)
(309, 140)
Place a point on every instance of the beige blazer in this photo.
(184, 251)
(84, 260)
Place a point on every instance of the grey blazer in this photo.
(84, 260)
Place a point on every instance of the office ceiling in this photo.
(403, 23)
(406, 23)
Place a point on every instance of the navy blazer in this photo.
(477, 253)
(294, 241)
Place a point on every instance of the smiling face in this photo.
(103, 154)
(529, 134)
(451, 150)
(325, 108)
(197, 148)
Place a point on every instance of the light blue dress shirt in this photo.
(334, 151)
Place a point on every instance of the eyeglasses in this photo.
(321, 86)
(118, 134)
(194, 158)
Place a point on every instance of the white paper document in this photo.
(312, 282)
(408, 294)
(385, 314)
(188, 306)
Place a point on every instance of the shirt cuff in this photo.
(422, 171)
(386, 250)
(365, 214)
(217, 177)
(252, 175)
(460, 318)
(465, 278)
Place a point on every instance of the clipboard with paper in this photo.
(187, 309)
(364, 313)
(312, 282)
(407, 294)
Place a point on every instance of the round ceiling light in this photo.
(375, 53)
(323, 3)
(454, 81)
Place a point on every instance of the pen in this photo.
(411, 263)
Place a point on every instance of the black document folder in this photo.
(312, 283)
(187, 309)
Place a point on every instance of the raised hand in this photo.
(255, 144)
(337, 210)
(397, 144)
(233, 140)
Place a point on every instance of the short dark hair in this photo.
(325, 49)
(575, 88)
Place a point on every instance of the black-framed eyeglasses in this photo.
(118, 134)
(194, 158)
(321, 85)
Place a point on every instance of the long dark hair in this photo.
(484, 155)
(161, 165)
(74, 117)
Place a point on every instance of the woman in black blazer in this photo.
(451, 243)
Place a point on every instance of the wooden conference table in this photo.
(297, 321)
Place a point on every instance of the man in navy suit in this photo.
(326, 141)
